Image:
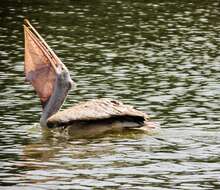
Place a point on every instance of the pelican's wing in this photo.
(41, 63)
(94, 110)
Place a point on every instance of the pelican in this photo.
(52, 82)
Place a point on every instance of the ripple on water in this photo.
(162, 57)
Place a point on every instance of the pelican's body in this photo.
(51, 80)
(98, 116)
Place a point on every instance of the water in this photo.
(160, 56)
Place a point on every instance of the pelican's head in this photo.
(65, 80)
(63, 83)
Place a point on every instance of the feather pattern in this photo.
(94, 110)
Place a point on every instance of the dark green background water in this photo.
(161, 56)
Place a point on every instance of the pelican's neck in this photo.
(62, 86)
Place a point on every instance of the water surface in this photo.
(160, 56)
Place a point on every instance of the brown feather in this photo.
(94, 110)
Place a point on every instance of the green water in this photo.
(161, 56)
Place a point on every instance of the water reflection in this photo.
(160, 56)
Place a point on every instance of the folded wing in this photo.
(92, 110)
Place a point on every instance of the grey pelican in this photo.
(52, 82)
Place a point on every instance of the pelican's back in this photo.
(97, 111)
